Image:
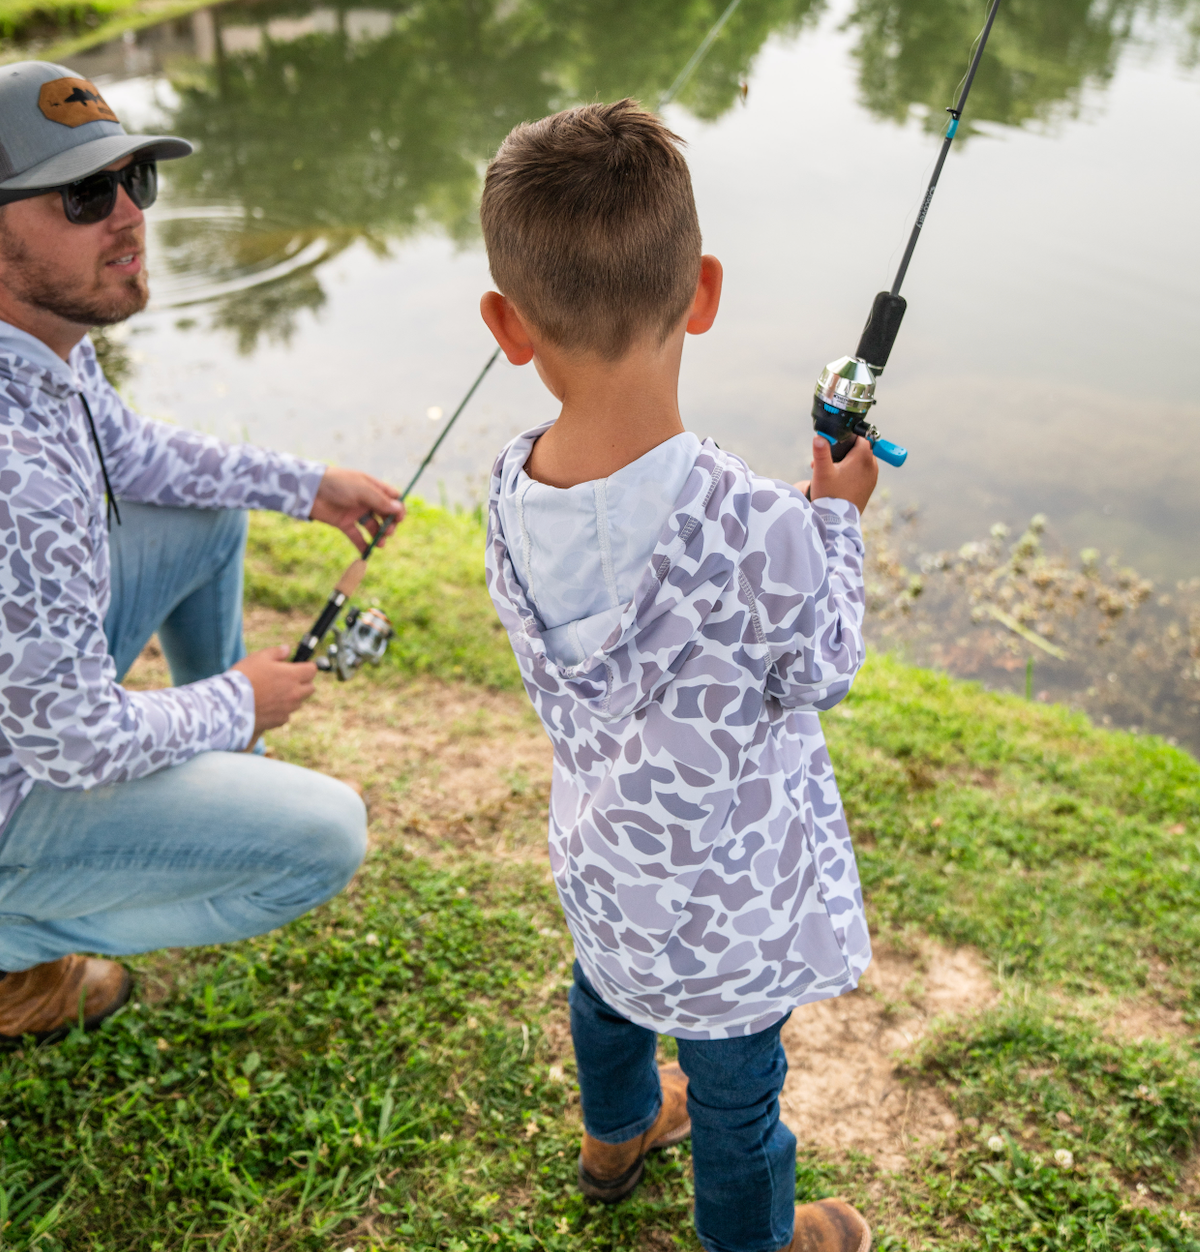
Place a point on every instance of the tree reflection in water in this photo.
(330, 138)
(331, 125)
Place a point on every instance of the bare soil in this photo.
(843, 1089)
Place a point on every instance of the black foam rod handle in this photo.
(881, 329)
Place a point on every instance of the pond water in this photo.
(317, 265)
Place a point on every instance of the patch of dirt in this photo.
(843, 1090)
(434, 760)
(1144, 1018)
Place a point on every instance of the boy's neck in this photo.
(612, 412)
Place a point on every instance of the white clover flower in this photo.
(996, 1143)
(1064, 1158)
(371, 940)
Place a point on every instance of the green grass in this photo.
(1065, 1124)
(383, 1059)
(1065, 853)
(392, 1072)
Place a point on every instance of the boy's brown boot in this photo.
(829, 1226)
(610, 1171)
(45, 1001)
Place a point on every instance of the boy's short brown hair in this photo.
(591, 228)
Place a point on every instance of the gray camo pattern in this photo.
(64, 719)
(697, 837)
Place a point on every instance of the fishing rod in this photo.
(366, 635)
(845, 390)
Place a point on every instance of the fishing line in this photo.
(707, 42)
(845, 390)
(348, 583)
(367, 639)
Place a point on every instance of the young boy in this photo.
(678, 620)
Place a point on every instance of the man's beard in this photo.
(35, 283)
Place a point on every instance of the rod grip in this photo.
(879, 334)
(320, 628)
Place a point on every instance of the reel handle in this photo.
(884, 449)
(890, 452)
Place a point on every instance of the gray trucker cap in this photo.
(55, 128)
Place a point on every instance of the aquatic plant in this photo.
(1090, 632)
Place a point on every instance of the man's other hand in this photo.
(280, 686)
(355, 502)
(852, 478)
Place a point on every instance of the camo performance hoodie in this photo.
(64, 719)
(697, 838)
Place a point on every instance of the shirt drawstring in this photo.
(112, 510)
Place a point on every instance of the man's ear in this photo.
(506, 325)
(708, 296)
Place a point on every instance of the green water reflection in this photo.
(334, 133)
(1040, 56)
(331, 139)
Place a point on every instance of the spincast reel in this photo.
(845, 391)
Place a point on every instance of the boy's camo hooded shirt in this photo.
(697, 837)
(64, 720)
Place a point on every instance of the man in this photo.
(131, 820)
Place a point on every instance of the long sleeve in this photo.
(65, 720)
(156, 463)
(810, 601)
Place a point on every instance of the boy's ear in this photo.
(708, 296)
(506, 325)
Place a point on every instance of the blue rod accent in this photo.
(952, 130)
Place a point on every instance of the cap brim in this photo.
(87, 158)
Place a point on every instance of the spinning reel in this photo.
(364, 638)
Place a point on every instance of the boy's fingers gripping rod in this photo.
(845, 391)
(348, 583)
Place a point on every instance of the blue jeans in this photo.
(225, 846)
(743, 1156)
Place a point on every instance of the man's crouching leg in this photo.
(224, 847)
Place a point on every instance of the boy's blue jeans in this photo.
(225, 846)
(743, 1156)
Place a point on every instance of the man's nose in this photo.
(125, 213)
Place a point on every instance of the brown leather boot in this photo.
(610, 1171)
(45, 1001)
(829, 1226)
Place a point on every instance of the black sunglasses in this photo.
(93, 198)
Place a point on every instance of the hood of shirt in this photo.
(632, 651)
(26, 361)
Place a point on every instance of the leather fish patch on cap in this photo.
(73, 102)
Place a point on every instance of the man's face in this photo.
(87, 275)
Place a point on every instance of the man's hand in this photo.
(350, 499)
(280, 686)
(853, 478)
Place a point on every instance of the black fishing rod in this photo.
(367, 631)
(845, 391)
(367, 634)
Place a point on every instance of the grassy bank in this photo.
(54, 30)
(394, 1071)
